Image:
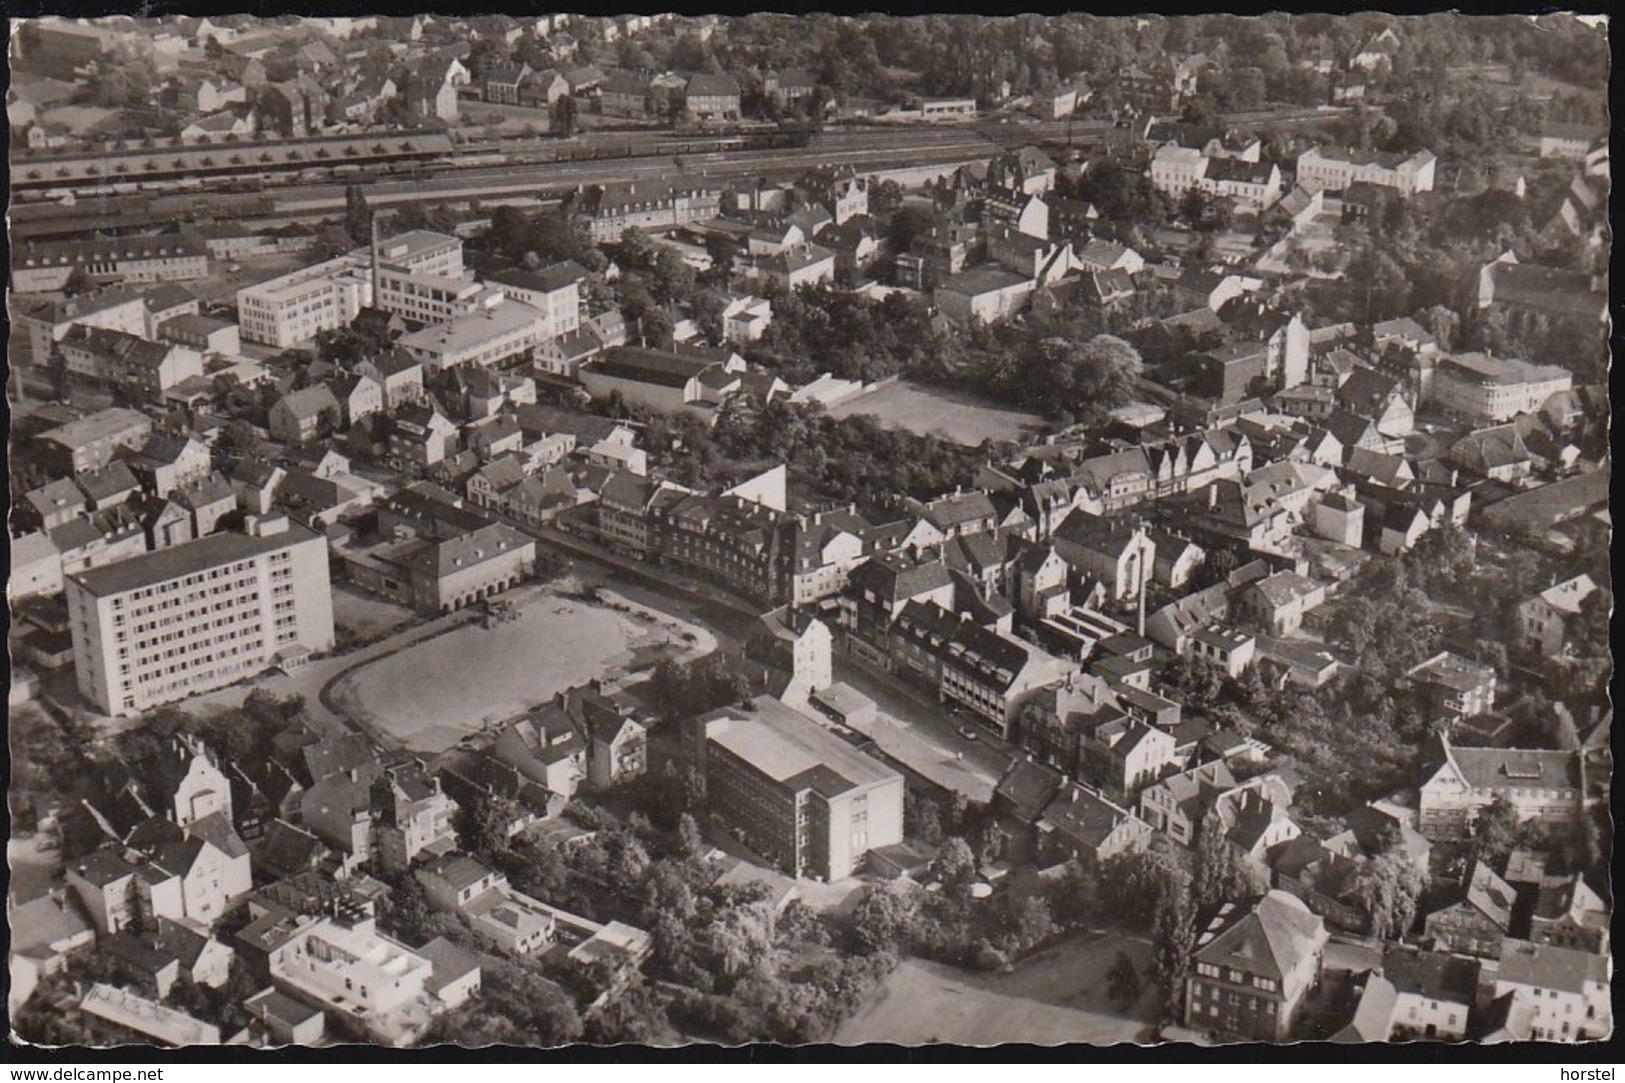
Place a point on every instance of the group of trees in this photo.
(839, 459)
(821, 330)
(729, 968)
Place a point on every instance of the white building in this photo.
(296, 307)
(198, 616)
(498, 330)
(1481, 389)
(1543, 619)
(1567, 991)
(357, 973)
(1337, 167)
(555, 291)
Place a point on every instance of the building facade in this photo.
(200, 615)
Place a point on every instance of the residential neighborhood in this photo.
(786, 529)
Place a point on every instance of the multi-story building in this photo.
(797, 794)
(554, 290)
(1252, 967)
(412, 817)
(610, 211)
(1482, 390)
(46, 266)
(1474, 918)
(436, 574)
(988, 673)
(498, 330)
(1544, 618)
(200, 615)
(296, 307)
(1336, 168)
(40, 323)
(1540, 784)
(712, 96)
(1566, 991)
(91, 442)
(1453, 685)
(355, 974)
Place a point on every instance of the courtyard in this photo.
(955, 416)
(1056, 996)
(433, 692)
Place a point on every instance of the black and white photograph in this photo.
(561, 531)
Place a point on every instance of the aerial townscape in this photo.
(809, 529)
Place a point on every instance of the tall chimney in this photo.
(372, 228)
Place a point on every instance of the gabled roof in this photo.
(1269, 938)
(1028, 787)
(1086, 815)
(1542, 966)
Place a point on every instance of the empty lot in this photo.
(1056, 996)
(928, 411)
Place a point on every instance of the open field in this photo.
(1058, 995)
(434, 692)
(953, 415)
(364, 616)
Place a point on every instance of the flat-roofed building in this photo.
(498, 330)
(296, 307)
(358, 975)
(198, 616)
(795, 792)
(554, 290)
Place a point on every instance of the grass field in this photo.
(431, 694)
(952, 415)
(1058, 995)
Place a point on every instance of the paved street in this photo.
(914, 729)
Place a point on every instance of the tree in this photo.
(1222, 873)
(79, 281)
(883, 919)
(955, 865)
(690, 840)
(1028, 924)
(907, 223)
(1173, 935)
(357, 216)
(1073, 896)
(885, 198)
(1123, 984)
(1103, 373)
(1388, 887)
(1495, 831)
(565, 112)
(124, 79)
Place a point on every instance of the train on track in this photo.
(254, 177)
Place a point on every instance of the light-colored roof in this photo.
(793, 749)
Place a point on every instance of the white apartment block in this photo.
(296, 307)
(198, 616)
(1336, 168)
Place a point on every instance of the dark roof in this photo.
(649, 366)
(1028, 787)
(711, 85)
